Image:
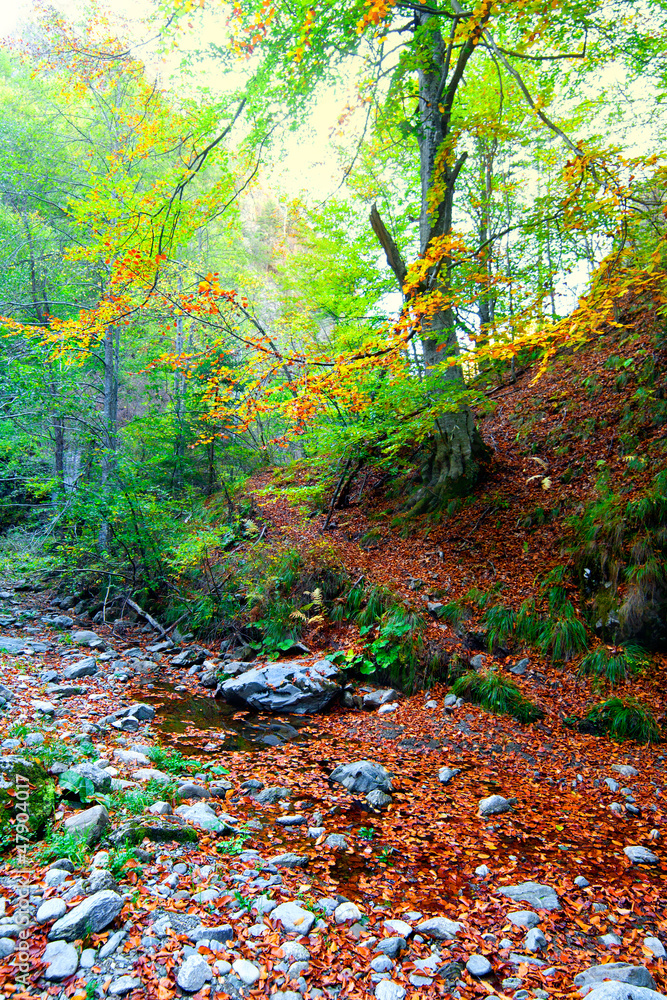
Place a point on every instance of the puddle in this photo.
(208, 725)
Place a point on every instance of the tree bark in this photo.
(110, 423)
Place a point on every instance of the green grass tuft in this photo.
(497, 694)
(615, 664)
(623, 719)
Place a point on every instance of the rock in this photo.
(89, 824)
(7, 947)
(99, 879)
(63, 691)
(520, 668)
(151, 774)
(381, 696)
(202, 816)
(482, 870)
(581, 882)
(271, 796)
(99, 779)
(45, 707)
(291, 820)
(524, 918)
(517, 959)
(294, 918)
(399, 927)
(439, 928)
(392, 946)
(387, 989)
(158, 831)
(89, 917)
(34, 739)
(445, 774)
(285, 687)
(247, 972)
(337, 841)
(188, 657)
(620, 972)
(295, 952)
(190, 790)
(12, 646)
(478, 965)
(111, 945)
(382, 963)
(621, 991)
(54, 877)
(83, 637)
(542, 897)
(289, 860)
(362, 776)
(221, 932)
(347, 913)
(494, 805)
(450, 701)
(625, 770)
(535, 940)
(40, 802)
(655, 946)
(194, 972)
(640, 855)
(378, 798)
(125, 984)
(63, 863)
(131, 757)
(610, 940)
(52, 909)
(160, 809)
(82, 668)
(61, 960)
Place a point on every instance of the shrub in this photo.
(615, 663)
(497, 694)
(563, 637)
(500, 623)
(623, 719)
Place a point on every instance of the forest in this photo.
(333, 499)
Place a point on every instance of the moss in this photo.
(41, 798)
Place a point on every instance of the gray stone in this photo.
(271, 796)
(581, 882)
(400, 927)
(478, 965)
(83, 637)
(52, 909)
(190, 790)
(520, 668)
(7, 947)
(294, 919)
(64, 863)
(194, 972)
(655, 946)
(45, 707)
(337, 841)
(542, 897)
(524, 918)
(289, 860)
(347, 912)
(640, 855)
(160, 809)
(111, 945)
(247, 972)
(124, 984)
(382, 963)
(34, 739)
(620, 972)
(89, 824)
(100, 780)
(610, 940)
(291, 820)
(54, 877)
(517, 959)
(439, 928)
(221, 933)
(285, 687)
(151, 774)
(88, 958)
(82, 668)
(622, 991)
(89, 917)
(445, 774)
(482, 870)
(493, 805)
(535, 940)
(362, 776)
(392, 946)
(381, 696)
(61, 960)
(13, 646)
(387, 989)
(625, 770)
(294, 951)
(131, 757)
(378, 798)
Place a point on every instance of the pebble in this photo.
(535, 940)
(52, 909)
(346, 912)
(655, 946)
(382, 963)
(247, 972)
(389, 990)
(61, 959)
(123, 985)
(493, 805)
(581, 882)
(194, 972)
(478, 965)
(640, 855)
(524, 918)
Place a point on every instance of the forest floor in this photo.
(429, 853)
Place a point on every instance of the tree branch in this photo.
(388, 244)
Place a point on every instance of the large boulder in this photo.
(292, 686)
(89, 917)
(540, 897)
(20, 778)
(362, 776)
(88, 825)
(619, 972)
(622, 991)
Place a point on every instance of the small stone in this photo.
(655, 946)
(111, 945)
(89, 824)
(493, 805)
(610, 940)
(378, 798)
(439, 928)
(620, 972)
(336, 840)
(481, 870)
(389, 990)
(391, 946)
(7, 947)
(445, 774)
(625, 770)
(535, 940)
(347, 912)
(399, 927)
(88, 958)
(160, 809)
(294, 918)
(123, 985)
(542, 897)
(640, 855)
(381, 963)
(524, 918)
(61, 959)
(89, 917)
(52, 909)
(194, 972)
(512, 983)
(247, 972)
(54, 877)
(581, 882)
(478, 965)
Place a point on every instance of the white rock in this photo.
(61, 959)
(387, 989)
(524, 918)
(151, 774)
(625, 770)
(622, 991)
(194, 972)
(55, 877)
(52, 909)
(346, 912)
(535, 940)
(439, 928)
(294, 918)
(247, 972)
(493, 805)
(400, 927)
(445, 774)
(132, 757)
(640, 855)
(656, 946)
(123, 985)
(478, 965)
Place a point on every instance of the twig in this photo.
(144, 614)
(336, 491)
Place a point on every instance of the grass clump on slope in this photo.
(496, 693)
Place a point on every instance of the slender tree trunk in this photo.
(110, 423)
(179, 407)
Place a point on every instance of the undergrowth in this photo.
(615, 664)
(622, 719)
(497, 694)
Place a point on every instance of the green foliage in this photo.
(119, 858)
(623, 719)
(500, 623)
(366, 832)
(378, 601)
(172, 761)
(233, 846)
(61, 845)
(616, 664)
(454, 612)
(563, 637)
(497, 694)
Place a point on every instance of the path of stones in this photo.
(450, 854)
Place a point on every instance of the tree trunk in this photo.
(110, 423)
